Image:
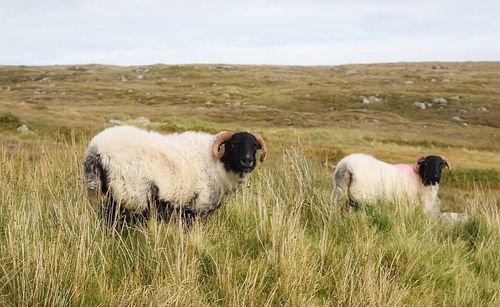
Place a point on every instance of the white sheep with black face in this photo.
(189, 173)
(360, 177)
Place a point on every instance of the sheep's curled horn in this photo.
(446, 163)
(263, 146)
(218, 148)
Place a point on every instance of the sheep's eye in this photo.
(233, 145)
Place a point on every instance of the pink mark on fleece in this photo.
(410, 170)
(406, 168)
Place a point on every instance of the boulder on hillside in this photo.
(420, 105)
(439, 101)
(370, 99)
(23, 128)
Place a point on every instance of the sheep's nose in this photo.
(247, 161)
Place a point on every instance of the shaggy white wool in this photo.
(361, 177)
(181, 165)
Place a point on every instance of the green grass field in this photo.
(280, 239)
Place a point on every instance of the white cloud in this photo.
(258, 32)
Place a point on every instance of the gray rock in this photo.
(409, 82)
(454, 98)
(370, 99)
(462, 111)
(123, 79)
(139, 77)
(440, 101)
(457, 118)
(23, 129)
(433, 80)
(482, 109)
(420, 105)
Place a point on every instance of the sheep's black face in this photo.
(430, 169)
(239, 154)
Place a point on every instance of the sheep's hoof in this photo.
(352, 206)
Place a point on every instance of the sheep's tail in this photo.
(97, 183)
(342, 178)
(96, 176)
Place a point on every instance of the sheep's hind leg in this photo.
(341, 191)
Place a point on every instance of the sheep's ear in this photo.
(218, 148)
(421, 160)
(446, 163)
(263, 146)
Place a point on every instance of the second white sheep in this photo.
(363, 178)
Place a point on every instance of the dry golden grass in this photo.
(279, 241)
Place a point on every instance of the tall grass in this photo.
(278, 241)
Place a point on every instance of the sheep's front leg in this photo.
(188, 217)
(188, 213)
(432, 206)
(110, 210)
(431, 201)
(207, 202)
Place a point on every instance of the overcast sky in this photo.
(128, 32)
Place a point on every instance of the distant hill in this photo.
(462, 99)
